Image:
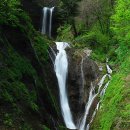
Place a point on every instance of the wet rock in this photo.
(82, 71)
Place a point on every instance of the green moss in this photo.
(16, 92)
(44, 127)
(40, 45)
(62, 128)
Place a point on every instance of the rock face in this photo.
(82, 71)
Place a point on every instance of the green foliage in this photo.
(19, 82)
(8, 122)
(16, 92)
(114, 110)
(26, 126)
(121, 27)
(12, 89)
(64, 33)
(41, 46)
(94, 39)
(69, 7)
(9, 9)
(62, 128)
(44, 127)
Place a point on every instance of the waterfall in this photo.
(100, 84)
(108, 69)
(61, 70)
(92, 96)
(101, 92)
(50, 27)
(44, 23)
(47, 21)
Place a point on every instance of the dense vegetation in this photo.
(23, 51)
(103, 26)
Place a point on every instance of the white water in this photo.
(46, 29)
(92, 96)
(101, 91)
(100, 84)
(52, 54)
(104, 89)
(61, 69)
(44, 23)
(108, 69)
(50, 27)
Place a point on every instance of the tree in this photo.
(8, 11)
(97, 11)
(69, 9)
(121, 26)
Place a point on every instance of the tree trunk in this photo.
(74, 28)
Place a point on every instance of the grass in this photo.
(114, 113)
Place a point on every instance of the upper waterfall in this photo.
(47, 21)
(61, 69)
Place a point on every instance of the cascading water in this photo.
(92, 96)
(44, 23)
(61, 69)
(108, 69)
(101, 82)
(60, 65)
(101, 92)
(47, 21)
(51, 13)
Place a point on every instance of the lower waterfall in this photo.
(83, 125)
(61, 69)
(101, 91)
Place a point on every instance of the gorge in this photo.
(64, 65)
(61, 70)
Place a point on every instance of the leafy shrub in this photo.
(41, 47)
(65, 34)
(94, 39)
(121, 27)
(9, 9)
